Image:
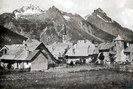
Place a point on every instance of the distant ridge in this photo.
(49, 26)
(8, 37)
(100, 19)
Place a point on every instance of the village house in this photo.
(31, 54)
(115, 52)
(80, 52)
(129, 53)
(106, 50)
(10, 53)
(105, 53)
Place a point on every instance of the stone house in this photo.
(31, 53)
(129, 53)
(80, 51)
(107, 50)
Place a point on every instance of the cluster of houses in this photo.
(119, 51)
(31, 54)
(35, 55)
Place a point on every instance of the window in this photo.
(4, 51)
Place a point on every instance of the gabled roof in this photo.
(15, 52)
(28, 52)
(118, 38)
(31, 55)
(20, 51)
(22, 56)
(4, 47)
(105, 46)
(15, 49)
(32, 44)
(82, 48)
(9, 57)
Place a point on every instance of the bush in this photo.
(2, 70)
(52, 65)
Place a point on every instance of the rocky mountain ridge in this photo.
(100, 19)
(54, 25)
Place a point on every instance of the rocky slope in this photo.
(54, 25)
(100, 19)
(9, 37)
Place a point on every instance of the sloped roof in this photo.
(14, 49)
(32, 54)
(22, 56)
(15, 52)
(104, 46)
(82, 48)
(32, 44)
(118, 38)
(4, 47)
(9, 57)
(20, 51)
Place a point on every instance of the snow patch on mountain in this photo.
(27, 10)
(86, 17)
(104, 19)
(66, 17)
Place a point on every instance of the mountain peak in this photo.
(102, 15)
(99, 11)
(30, 7)
(28, 10)
(53, 8)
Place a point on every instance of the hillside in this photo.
(100, 19)
(54, 25)
(9, 37)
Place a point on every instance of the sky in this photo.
(119, 10)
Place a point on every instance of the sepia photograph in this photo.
(66, 44)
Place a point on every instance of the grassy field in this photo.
(80, 79)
